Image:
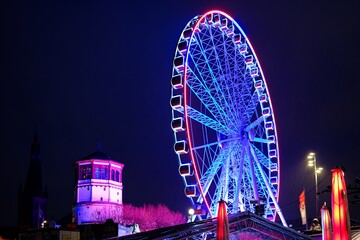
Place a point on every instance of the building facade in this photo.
(98, 190)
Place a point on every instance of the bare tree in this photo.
(151, 217)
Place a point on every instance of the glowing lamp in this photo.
(191, 211)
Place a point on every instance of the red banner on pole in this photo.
(302, 207)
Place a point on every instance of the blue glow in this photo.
(222, 92)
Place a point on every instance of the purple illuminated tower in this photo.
(98, 190)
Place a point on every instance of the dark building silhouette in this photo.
(32, 209)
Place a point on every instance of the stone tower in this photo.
(98, 190)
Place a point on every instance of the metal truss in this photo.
(245, 225)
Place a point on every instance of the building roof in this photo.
(243, 225)
(97, 155)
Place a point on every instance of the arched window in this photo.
(113, 175)
(117, 176)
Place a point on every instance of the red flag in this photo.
(302, 207)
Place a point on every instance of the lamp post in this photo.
(312, 163)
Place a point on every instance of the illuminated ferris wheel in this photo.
(223, 120)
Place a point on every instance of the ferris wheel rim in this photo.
(199, 19)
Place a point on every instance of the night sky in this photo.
(99, 71)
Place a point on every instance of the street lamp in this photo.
(312, 163)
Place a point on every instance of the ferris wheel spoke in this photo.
(208, 177)
(205, 157)
(261, 140)
(255, 123)
(213, 70)
(248, 192)
(250, 109)
(216, 143)
(209, 122)
(262, 158)
(222, 60)
(204, 94)
(263, 195)
(233, 70)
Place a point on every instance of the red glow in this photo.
(325, 223)
(222, 227)
(188, 133)
(340, 213)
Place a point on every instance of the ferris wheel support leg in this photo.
(277, 207)
(225, 192)
(237, 198)
(253, 177)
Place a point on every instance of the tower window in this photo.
(97, 173)
(86, 172)
(83, 173)
(104, 173)
(101, 199)
(104, 188)
(113, 175)
(117, 176)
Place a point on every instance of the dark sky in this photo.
(99, 71)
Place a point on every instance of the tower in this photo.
(32, 210)
(98, 190)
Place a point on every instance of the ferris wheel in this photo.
(223, 120)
